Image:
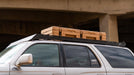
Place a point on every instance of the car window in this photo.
(117, 57)
(79, 56)
(93, 59)
(44, 55)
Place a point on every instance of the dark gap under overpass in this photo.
(16, 24)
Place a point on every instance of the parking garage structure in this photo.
(22, 18)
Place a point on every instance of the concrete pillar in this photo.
(108, 24)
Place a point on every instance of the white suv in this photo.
(48, 57)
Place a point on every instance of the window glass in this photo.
(44, 55)
(94, 61)
(117, 57)
(78, 56)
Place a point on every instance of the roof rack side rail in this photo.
(68, 39)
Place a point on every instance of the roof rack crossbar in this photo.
(68, 39)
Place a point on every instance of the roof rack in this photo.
(68, 39)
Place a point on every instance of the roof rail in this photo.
(68, 39)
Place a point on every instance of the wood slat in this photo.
(69, 32)
(103, 36)
(54, 30)
(90, 35)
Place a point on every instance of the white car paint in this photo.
(105, 69)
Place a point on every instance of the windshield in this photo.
(9, 52)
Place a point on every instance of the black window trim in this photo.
(64, 58)
(59, 51)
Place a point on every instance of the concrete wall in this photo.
(99, 6)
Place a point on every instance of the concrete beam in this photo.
(108, 24)
(99, 6)
(34, 4)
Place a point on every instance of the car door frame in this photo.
(102, 69)
(36, 70)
